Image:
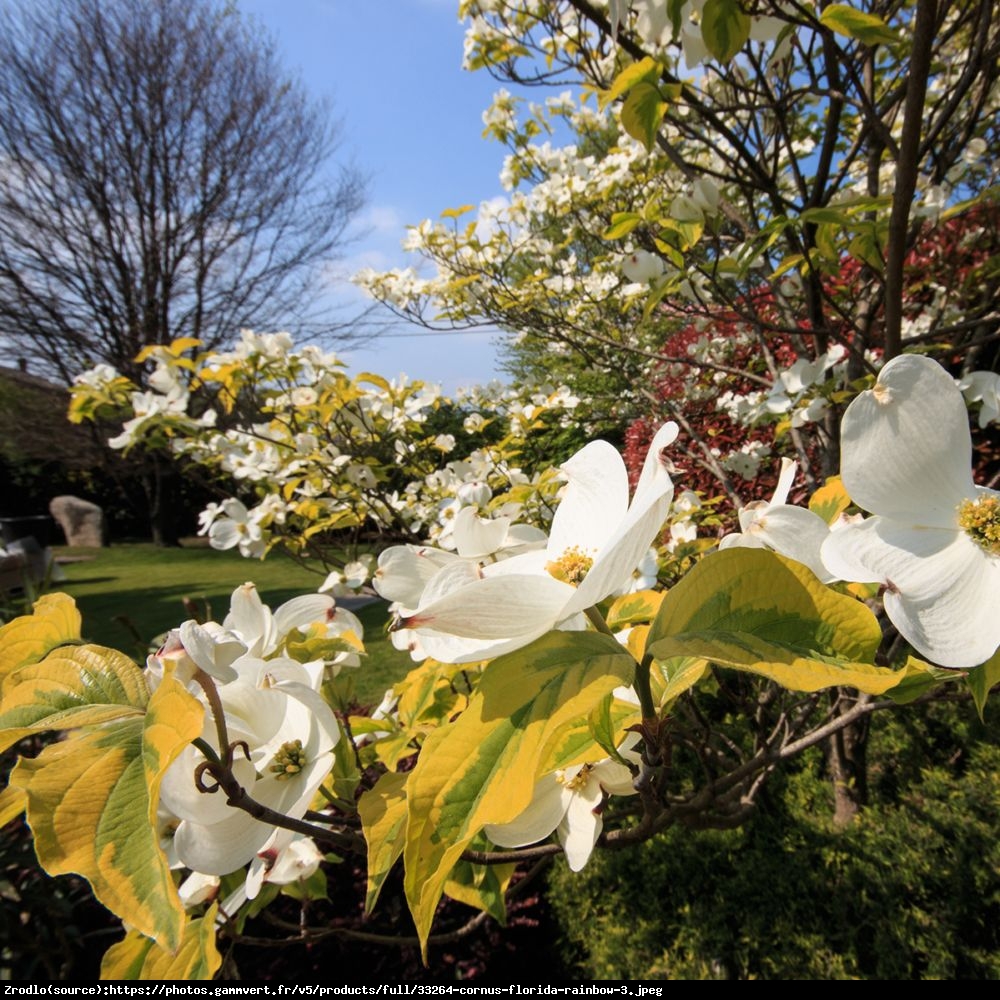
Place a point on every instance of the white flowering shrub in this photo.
(561, 698)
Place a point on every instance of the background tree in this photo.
(752, 212)
(162, 177)
(774, 168)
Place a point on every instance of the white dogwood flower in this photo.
(469, 611)
(286, 734)
(240, 527)
(934, 542)
(569, 802)
(782, 527)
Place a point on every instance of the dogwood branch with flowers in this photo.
(562, 700)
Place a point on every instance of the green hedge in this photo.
(911, 890)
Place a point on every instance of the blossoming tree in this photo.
(558, 690)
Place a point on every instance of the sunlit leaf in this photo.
(830, 500)
(12, 803)
(622, 223)
(672, 676)
(54, 622)
(455, 213)
(646, 70)
(383, 819)
(643, 112)
(92, 808)
(140, 957)
(756, 611)
(74, 686)
(482, 768)
(852, 23)
(629, 609)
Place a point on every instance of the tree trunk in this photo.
(847, 762)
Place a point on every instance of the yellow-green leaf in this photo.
(622, 223)
(724, 28)
(865, 247)
(483, 887)
(851, 23)
(643, 112)
(982, 679)
(376, 380)
(756, 611)
(830, 500)
(12, 804)
(456, 213)
(383, 820)
(426, 694)
(646, 70)
(92, 808)
(605, 728)
(826, 214)
(917, 677)
(788, 263)
(54, 622)
(632, 608)
(139, 957)
(482, 768)
(305, 647)
(671, 677)
(74, 686)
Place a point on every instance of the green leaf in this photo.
(867, 28)
(427, 695)
(92, 807)
(982, 679)
(865, 248)
(826, 214)
(139, 957)
(642, 113)
(482, 768)
(645, 71)
(622, 223)
(344, 777)
(724, 28)
(826, 242)
(383, 820)
(311, 887)
(74, 686)
(756, 611)
(675, 11)
(54, 622)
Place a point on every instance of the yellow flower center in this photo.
(571, 567)
(578, 780)
(980, 519)
(289, 760)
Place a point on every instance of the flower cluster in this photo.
(472, 607)
(266, 724)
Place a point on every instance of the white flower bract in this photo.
(906, 457)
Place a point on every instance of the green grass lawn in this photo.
(136, 590)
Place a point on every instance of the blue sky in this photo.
(412, 122)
